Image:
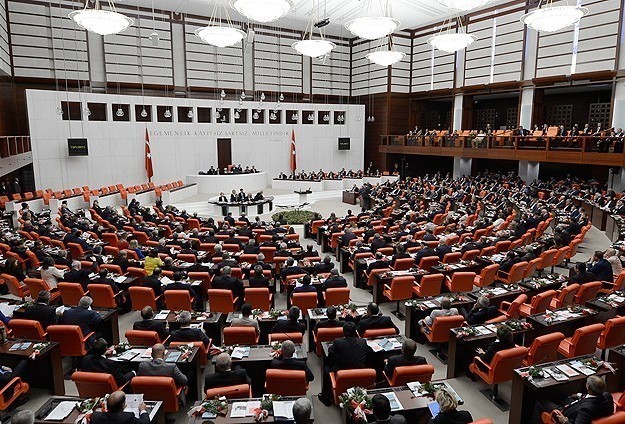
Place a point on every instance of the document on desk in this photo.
(173, 356)
(568, 371)
(62, 411)
(129, 355)
(240, 352)
(120, 279)
(8, 310)
(373, 344)
(239, 409)
(283, 409)
(162, 314)
(132, 404)
(395, 403)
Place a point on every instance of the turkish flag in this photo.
(293, 153)
(148, 157)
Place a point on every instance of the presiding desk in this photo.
(207, 184)
(238, 208)
(45, 371)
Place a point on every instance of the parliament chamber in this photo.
(338, 211)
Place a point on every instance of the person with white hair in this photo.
(84, 317)
(612, 257)
(224, 375)
(302, 411)
(23, 417)
(288, 362)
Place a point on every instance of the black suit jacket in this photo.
(259, 281)
(589, 408)
(326, 323)
(286, 326)
(119, 418)
(45, 314)
(229, 283)
(188, 334)
(375, 321)
(153, 283)
(93, 363)
(152, 325)
(482, 315)
(402, 361)
(334, 282)
(493, 348)
(349, 353)
(227, 378)
(292, 364)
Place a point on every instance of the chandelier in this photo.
(372, 25)
(464, 5)
(550, 18)
(313, 47)
(218, 35)
(385, 55)
(449, 41)
(262, 10)
(100, 21)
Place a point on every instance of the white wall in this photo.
(5, 58)
(116, 149)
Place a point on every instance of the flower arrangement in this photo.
(276, 349)
(575, 308)
(214, 407)
(357, 403)
(88, 405)
(518, 325)
(535, 372)
(592, 363)
(185, 350)
(118, 348)
(256, 312)
(37, 348)
(266, 402)
(548, 317)
(86, 408)
(229, 349)
(466, 332)
(347, 307)
(411, 303)
(275, 313)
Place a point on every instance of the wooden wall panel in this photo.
(277, 66)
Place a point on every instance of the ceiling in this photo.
(411, 13)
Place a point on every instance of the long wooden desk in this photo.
(227, 419)
(45, 371)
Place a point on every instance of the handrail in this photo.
(13, 145)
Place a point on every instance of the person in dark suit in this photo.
(291, 324)
(429, 236)
(407, 357)
(347, 237)
(374, 319)
(95, 361)
(287, 362)
(291, 269)
(179, 284)
(442, 249)
(581, 275)
(378, 263)
(511, 259)
(504, 341)
(187, 334)
(306, 286)
(148, 323)
(154, 281)
(579, 408)
(42, 311)
(258, 279)
(158, 367)
(324, 266)
(334, 280)
(115, 405)
(331, 321)
(227, 282)
(449, 413)
(378, 242)
(400, 253)
(601, 268)
(381, 407)
(481, 312)
(309, 252)
(251, 248)
(83, 316)
(227, 261)
(224, 375)
(349, 352)
(425, 252)
(77, 275)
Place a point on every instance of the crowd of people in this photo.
(233, 169)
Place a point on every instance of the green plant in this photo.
(295, 217)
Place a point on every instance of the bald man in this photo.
(158, 367)
(115, 414)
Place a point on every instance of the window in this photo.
(185, 114)
(97, 111)
(323, 117)
(275, 117)
(222, 115)
(71, 111)
(121, 113)
(141, 110)
(258, 116)
(292, 117)
(164, 114)
(308, 117)
(240, 116)
(339, 117)
(204, 115)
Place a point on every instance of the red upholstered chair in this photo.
(587, 291)
(73, 342)
(616, 418)
(158, 388)
(531, 268)
(143, 296)
(583, 342)
(27, 329)
(499, 370)
(487, 276)
(460, 282)
(35, 285)
(142, 338)
(286, 382)
(617, 285)
(440, 330)
(240, 335)
(103, 296)
(379, 332)
(543, 349)
(240, 391)
(512, 309)
(452, 257)
(559, 258)
(138, 273)
(514, 276)
(305, 301)
(613, 335)
(75, 250)
(297, 338)
(539, 303)
(346, 379)
(114, 269)
(402, 264)
(19, 388)
(400, 289)
(71, 293)
(178, 300)
(428, 262)
(15, 287)
(502, 246)
(565, 297)
(221, 300)
(373, 275)
(326, 335)
(483, 421)
(469, 255)
(488, 251)
(259, 298)
(94, 384)
(546, 259)
(336, 296)
(429, 285)
(406, 374)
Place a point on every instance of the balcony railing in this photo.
(14, 145)
(583, 149)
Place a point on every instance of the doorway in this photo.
(224, 152)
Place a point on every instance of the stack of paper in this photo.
(62, 411)
(120, 279)
(132, 404)
(395, 404)
(162, 314)
(283, 409)
(240, 352)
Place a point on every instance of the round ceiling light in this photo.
(220, 36)
(553, 18)
(103, 22)
(451, 42)
(313, 48)
(464, 5)
(385, 57)
(372, 28)
(262, 10)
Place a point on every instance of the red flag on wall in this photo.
(293, 153)
(148, 157)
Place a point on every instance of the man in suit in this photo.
(505, 340)
(581, 275)
(445, 311)
(178, 284)
(378, 263)
(324, 266)
(407, 357)
(287, 362)
(251, 248)
(334, 280)
(224, 375)
(346, 353)
(187, 334)
(442, 249)
(83, 316)
(148, 323)
(481, 312)
(374, 319)
(42, 311)
(77, 275)
(227, 261)
(291, 324)
(425, 252)
(601, 268)
(291, 269)
(227, 282)
(347, 237)
(378, 242)
(306, 286)
(154, 281)
(579, 408)
(381, 407)
(96, 361)
(331, 321)
(158, 367)
(115, 405)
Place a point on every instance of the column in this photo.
(527, 105)
(248, 62)
(618, 112)
(178, 56)
(616, 179)
(528, 171)
(530, 53)
(457, 124)
(462, 167)
(97, 68)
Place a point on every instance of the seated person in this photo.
(158, 367)
(287, 362)
(481, 312)
(378, 263)
(445, 311)
(42, 311)
(83, 316)
(245, 319)
(154, 281)
(302, 410)
(449, 413)
(374, 319)
(400, 253)
(581, 275)
(179, 284)
(407, 358)
(291, 324)
(115, 405)
(601, 268)
(147, 323)
(310, 252)
(187, 334)
(324, 266)
(258, 279)
(505, 340)
(381, 408)
(291, 269)
(227, 282)
(77, 275)
(96, 361)
(224, 375)
(331, 321)
(578, 408)
(305, 287)
(334, 280)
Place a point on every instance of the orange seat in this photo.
(514, 276)
(27, 329)
(202, 353)
(15, 287)
(379, 332)
(565, 297)
(326, 335)
(71, 293)
(138, 273)
(487, 276)
(406, 374)
(103, 296)
(336, 296)
(142, 338)
(617, 285)
(460, 282)
(141, 297)
(94, 384)
(115, 269)
(400, 289)
(613, 335)
(36, 285)
(583, 342)
(240, 335)
(345, 379)
(452, 257)
(158, 389)
(439, 332)
(587, 291)
(286, 382)
(75, 250)
(305, 301)
(73, 342)
(510, 310)
(539, 303)
(546, 259)
(500, 369)
(543, 349)
(372, 277)
(178, 300)
(559, 257)
(428, 262)
(531, 268)
(429, 285)
(297, 338)
(502, 246)
(469, 255)
(402, 264)
(221, 300)
(240, 391)
(19, 388)
(483, 421)
(259, 298)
